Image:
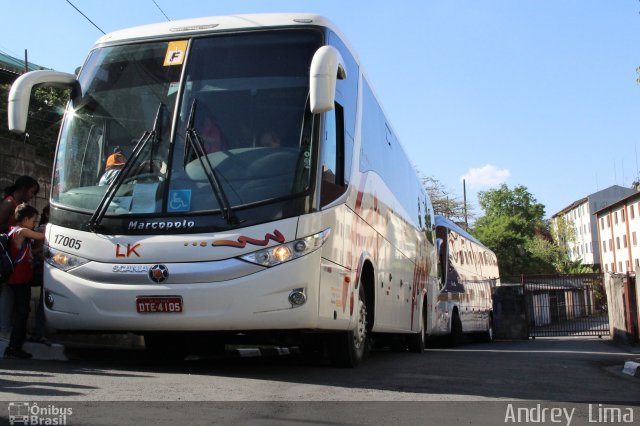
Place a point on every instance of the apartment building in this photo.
(580, 216)
(619, 235)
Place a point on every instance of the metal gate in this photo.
(565, 305)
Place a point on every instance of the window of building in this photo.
(637, 263)
(608, 220)
(618, 243)
(626, 263)
(606, 267)
(632, 211)
(613, 267)
(604, 246)
(602, 223)
(615, 217)
(633, 238)
(610, 244)
(622, 214)
(620, 266)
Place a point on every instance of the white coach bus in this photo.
(468, 272)
(261, 193)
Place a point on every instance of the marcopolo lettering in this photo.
(160, 225)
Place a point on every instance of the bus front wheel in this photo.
(350, 348)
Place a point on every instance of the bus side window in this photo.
(332, 156)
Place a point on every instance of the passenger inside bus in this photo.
(209, 132)
(270, 139)
(115, 163)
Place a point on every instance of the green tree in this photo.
(45, 114)
(513, 227)
(564, 234)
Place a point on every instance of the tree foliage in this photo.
(445, 202)
(45, 114)
(513, 227)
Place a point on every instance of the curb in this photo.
(632, 369)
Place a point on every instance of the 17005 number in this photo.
(67, 241)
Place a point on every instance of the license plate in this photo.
(159, 305)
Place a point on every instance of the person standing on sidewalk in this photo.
(19, 282)
(23, 190)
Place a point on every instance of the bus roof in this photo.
(446, 223)
(189, 27)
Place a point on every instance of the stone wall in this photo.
(17, 159)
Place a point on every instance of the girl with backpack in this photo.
(19, 282)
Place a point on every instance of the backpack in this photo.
(6, 263)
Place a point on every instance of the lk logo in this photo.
(129, 251)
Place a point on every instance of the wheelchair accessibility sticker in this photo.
(179, 200)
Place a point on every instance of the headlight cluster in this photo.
(276, 255)
(62, 260)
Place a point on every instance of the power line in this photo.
(160, 9)
(86, 17)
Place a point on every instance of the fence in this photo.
(564, 305)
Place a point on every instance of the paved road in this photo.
(484, 375)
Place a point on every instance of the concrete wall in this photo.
(17, 159)
(614, 286)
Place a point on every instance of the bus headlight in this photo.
(282, 253)
(62, 260)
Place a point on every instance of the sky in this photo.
(538, 93)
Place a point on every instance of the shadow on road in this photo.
(557, 369)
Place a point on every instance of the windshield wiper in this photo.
(195, 142)
(147, 136)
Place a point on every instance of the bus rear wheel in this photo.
(416, 342)
(350, 348)
(488, 335)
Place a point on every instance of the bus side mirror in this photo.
(20, 94)
(327, 66)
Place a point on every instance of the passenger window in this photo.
(332, 156)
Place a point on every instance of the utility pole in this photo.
(464, 195)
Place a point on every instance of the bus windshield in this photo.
(248, 97)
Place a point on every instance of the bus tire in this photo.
(456, 329)
(416, 342)
(350, 348)
(488, 335)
